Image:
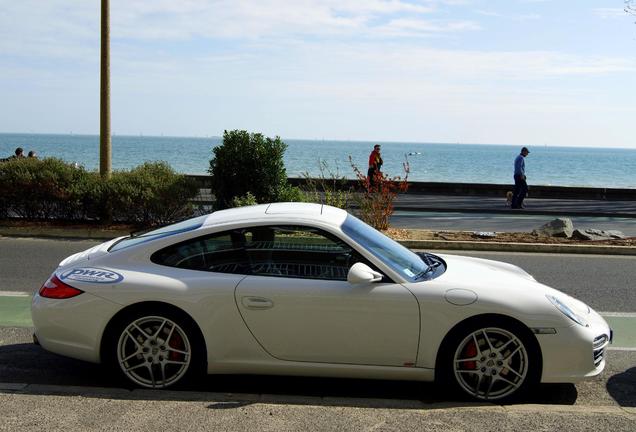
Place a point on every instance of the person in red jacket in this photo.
(375, 165)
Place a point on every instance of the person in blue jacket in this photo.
(521, 187)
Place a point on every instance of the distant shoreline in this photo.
(429, 162)
(326, 140)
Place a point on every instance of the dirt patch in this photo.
(395, 233)
(499, 237)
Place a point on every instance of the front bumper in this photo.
(575, 353)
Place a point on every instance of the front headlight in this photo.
(567, 310)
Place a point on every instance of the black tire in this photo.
(490, 359)
(155, 347)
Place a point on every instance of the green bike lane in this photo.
(15, 311)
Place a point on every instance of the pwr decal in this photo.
(92, 274)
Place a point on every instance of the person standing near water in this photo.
(521, 187)
(375, 164)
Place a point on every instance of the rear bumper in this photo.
(72, 327)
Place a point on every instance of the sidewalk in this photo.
(534, 206)
(457, 213)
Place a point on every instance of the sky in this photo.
(530, 72)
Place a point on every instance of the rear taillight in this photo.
(56, 289)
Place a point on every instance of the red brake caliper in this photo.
(176, 342)
(470, 351)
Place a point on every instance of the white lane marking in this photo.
(619, 314)
(14, 294)
(612, 348)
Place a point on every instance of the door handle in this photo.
(257, 303)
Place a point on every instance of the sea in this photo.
(429, 162)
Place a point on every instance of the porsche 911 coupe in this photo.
(310, 290)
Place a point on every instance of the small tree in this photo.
(377, 195)
(248, 162)
(328, 188)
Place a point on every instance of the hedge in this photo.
(51, 189)
(151, 194)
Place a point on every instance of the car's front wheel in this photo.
(155, 349)
(493, 361)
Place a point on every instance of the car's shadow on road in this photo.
(28, 369)
(622, 387)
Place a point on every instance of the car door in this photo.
(299, 306)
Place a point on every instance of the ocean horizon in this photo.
(431, 162)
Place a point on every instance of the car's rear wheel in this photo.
(156, 349)
(491, 361)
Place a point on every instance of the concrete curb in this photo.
(103, 234)
(507, 211)
(520, 247)
(269, 399)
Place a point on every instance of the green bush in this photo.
(150, 194)
(289, 193)
(248, 163)
(246, 200)
(48, 188)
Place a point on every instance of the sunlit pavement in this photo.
(507, 222)
(43, 391)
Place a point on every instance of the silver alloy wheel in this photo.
(154, 352)
(491, 363)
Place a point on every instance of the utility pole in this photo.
(105, 149)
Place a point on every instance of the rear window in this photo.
(168, 230)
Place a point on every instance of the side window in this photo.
(222, 252)
(282, 251)
(297, 252)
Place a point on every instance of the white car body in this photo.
(255, 324)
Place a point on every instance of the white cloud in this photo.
(412, 27)
(364, 67)
(525, 17)
(495, 65)
(517, 17)
(52, 28)
(28, 25)
(609, 13)
(489, 13)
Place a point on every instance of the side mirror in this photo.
(361, 273)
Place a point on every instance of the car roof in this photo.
(277, 212)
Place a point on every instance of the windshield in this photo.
(186, 225)
(393, 254)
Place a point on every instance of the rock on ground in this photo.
(594, 234)
(559, 227)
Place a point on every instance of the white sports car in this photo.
(308, 289)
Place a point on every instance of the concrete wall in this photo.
(484, 189)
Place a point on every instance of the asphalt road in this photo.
(40, 390)
(506, 222)
(43, 391)
(607, 283)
